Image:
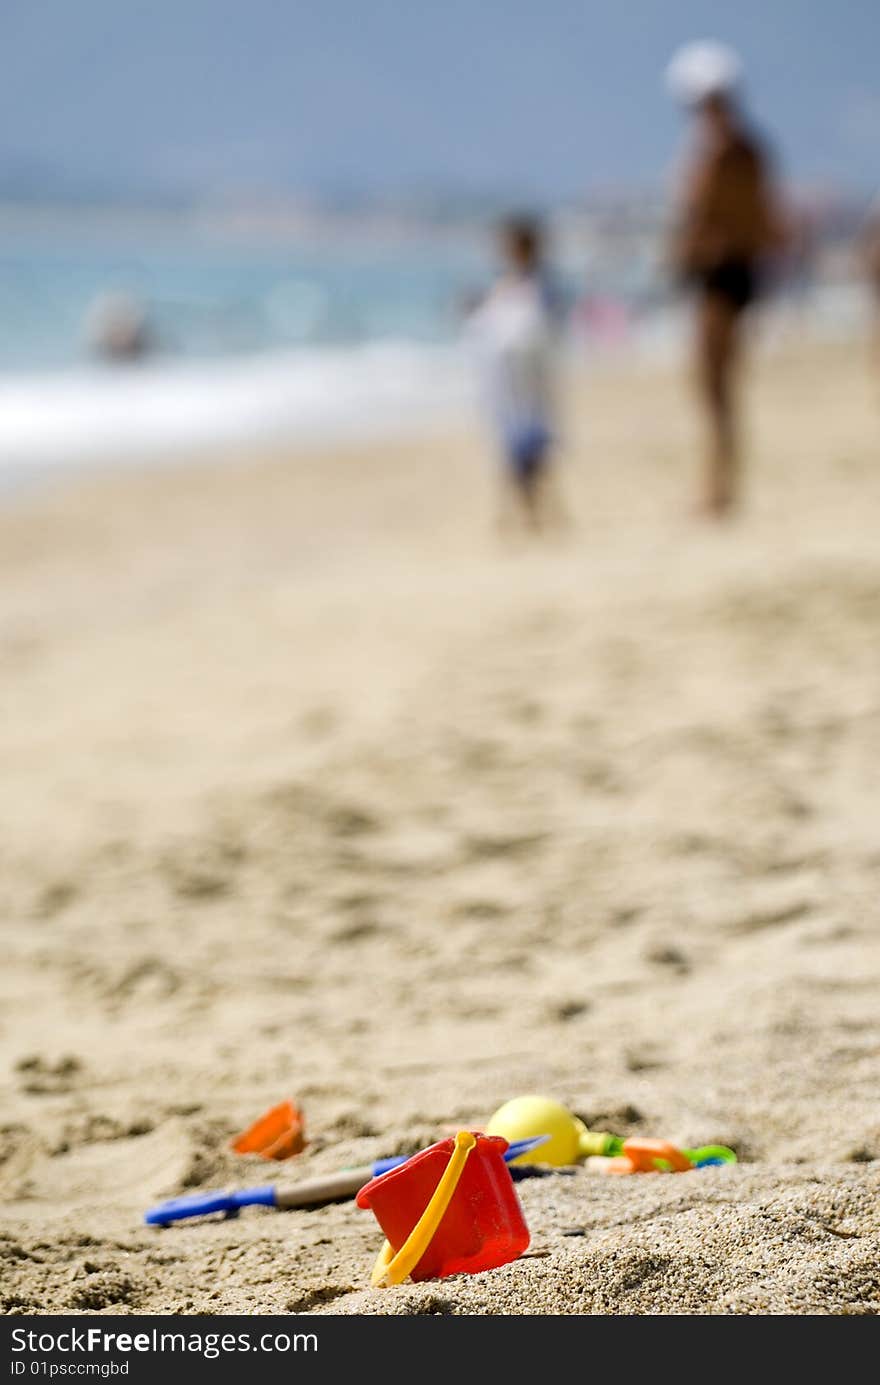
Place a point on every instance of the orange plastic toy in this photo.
(648, 1156)
(451, 1209)
(277, 1134)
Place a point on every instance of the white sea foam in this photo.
(162, 410)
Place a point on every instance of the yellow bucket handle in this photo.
(393, 1269)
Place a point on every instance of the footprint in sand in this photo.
(41, 1077)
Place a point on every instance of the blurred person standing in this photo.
(871, 259)
(728, 226)
(117, 329)
(513, 330)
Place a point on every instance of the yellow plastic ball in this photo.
(525, 1116)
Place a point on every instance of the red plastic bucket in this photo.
(482, 1225)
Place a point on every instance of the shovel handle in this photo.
(333, 1187)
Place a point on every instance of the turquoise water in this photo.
(264, 339)
(270, 338)
(278, 340)
(208, 297)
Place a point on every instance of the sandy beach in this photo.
(310, 787)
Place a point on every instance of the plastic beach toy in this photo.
(570, 1141)
(278, 1134)
(649, 1156)
(311, 1192)
(659, 1156)
(708, 1155)
(451, 1209)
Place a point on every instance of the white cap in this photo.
(703, 69)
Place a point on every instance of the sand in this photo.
(309, 787)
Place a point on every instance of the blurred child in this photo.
(513, 332)
(728, 225)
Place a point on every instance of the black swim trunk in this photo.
(734, 280)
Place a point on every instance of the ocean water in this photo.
(211, 294)
(252, 337)
(268, 338)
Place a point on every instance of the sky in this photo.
(542, 98)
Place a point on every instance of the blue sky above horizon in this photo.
(542, 100)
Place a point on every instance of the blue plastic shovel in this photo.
(334, 1187)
